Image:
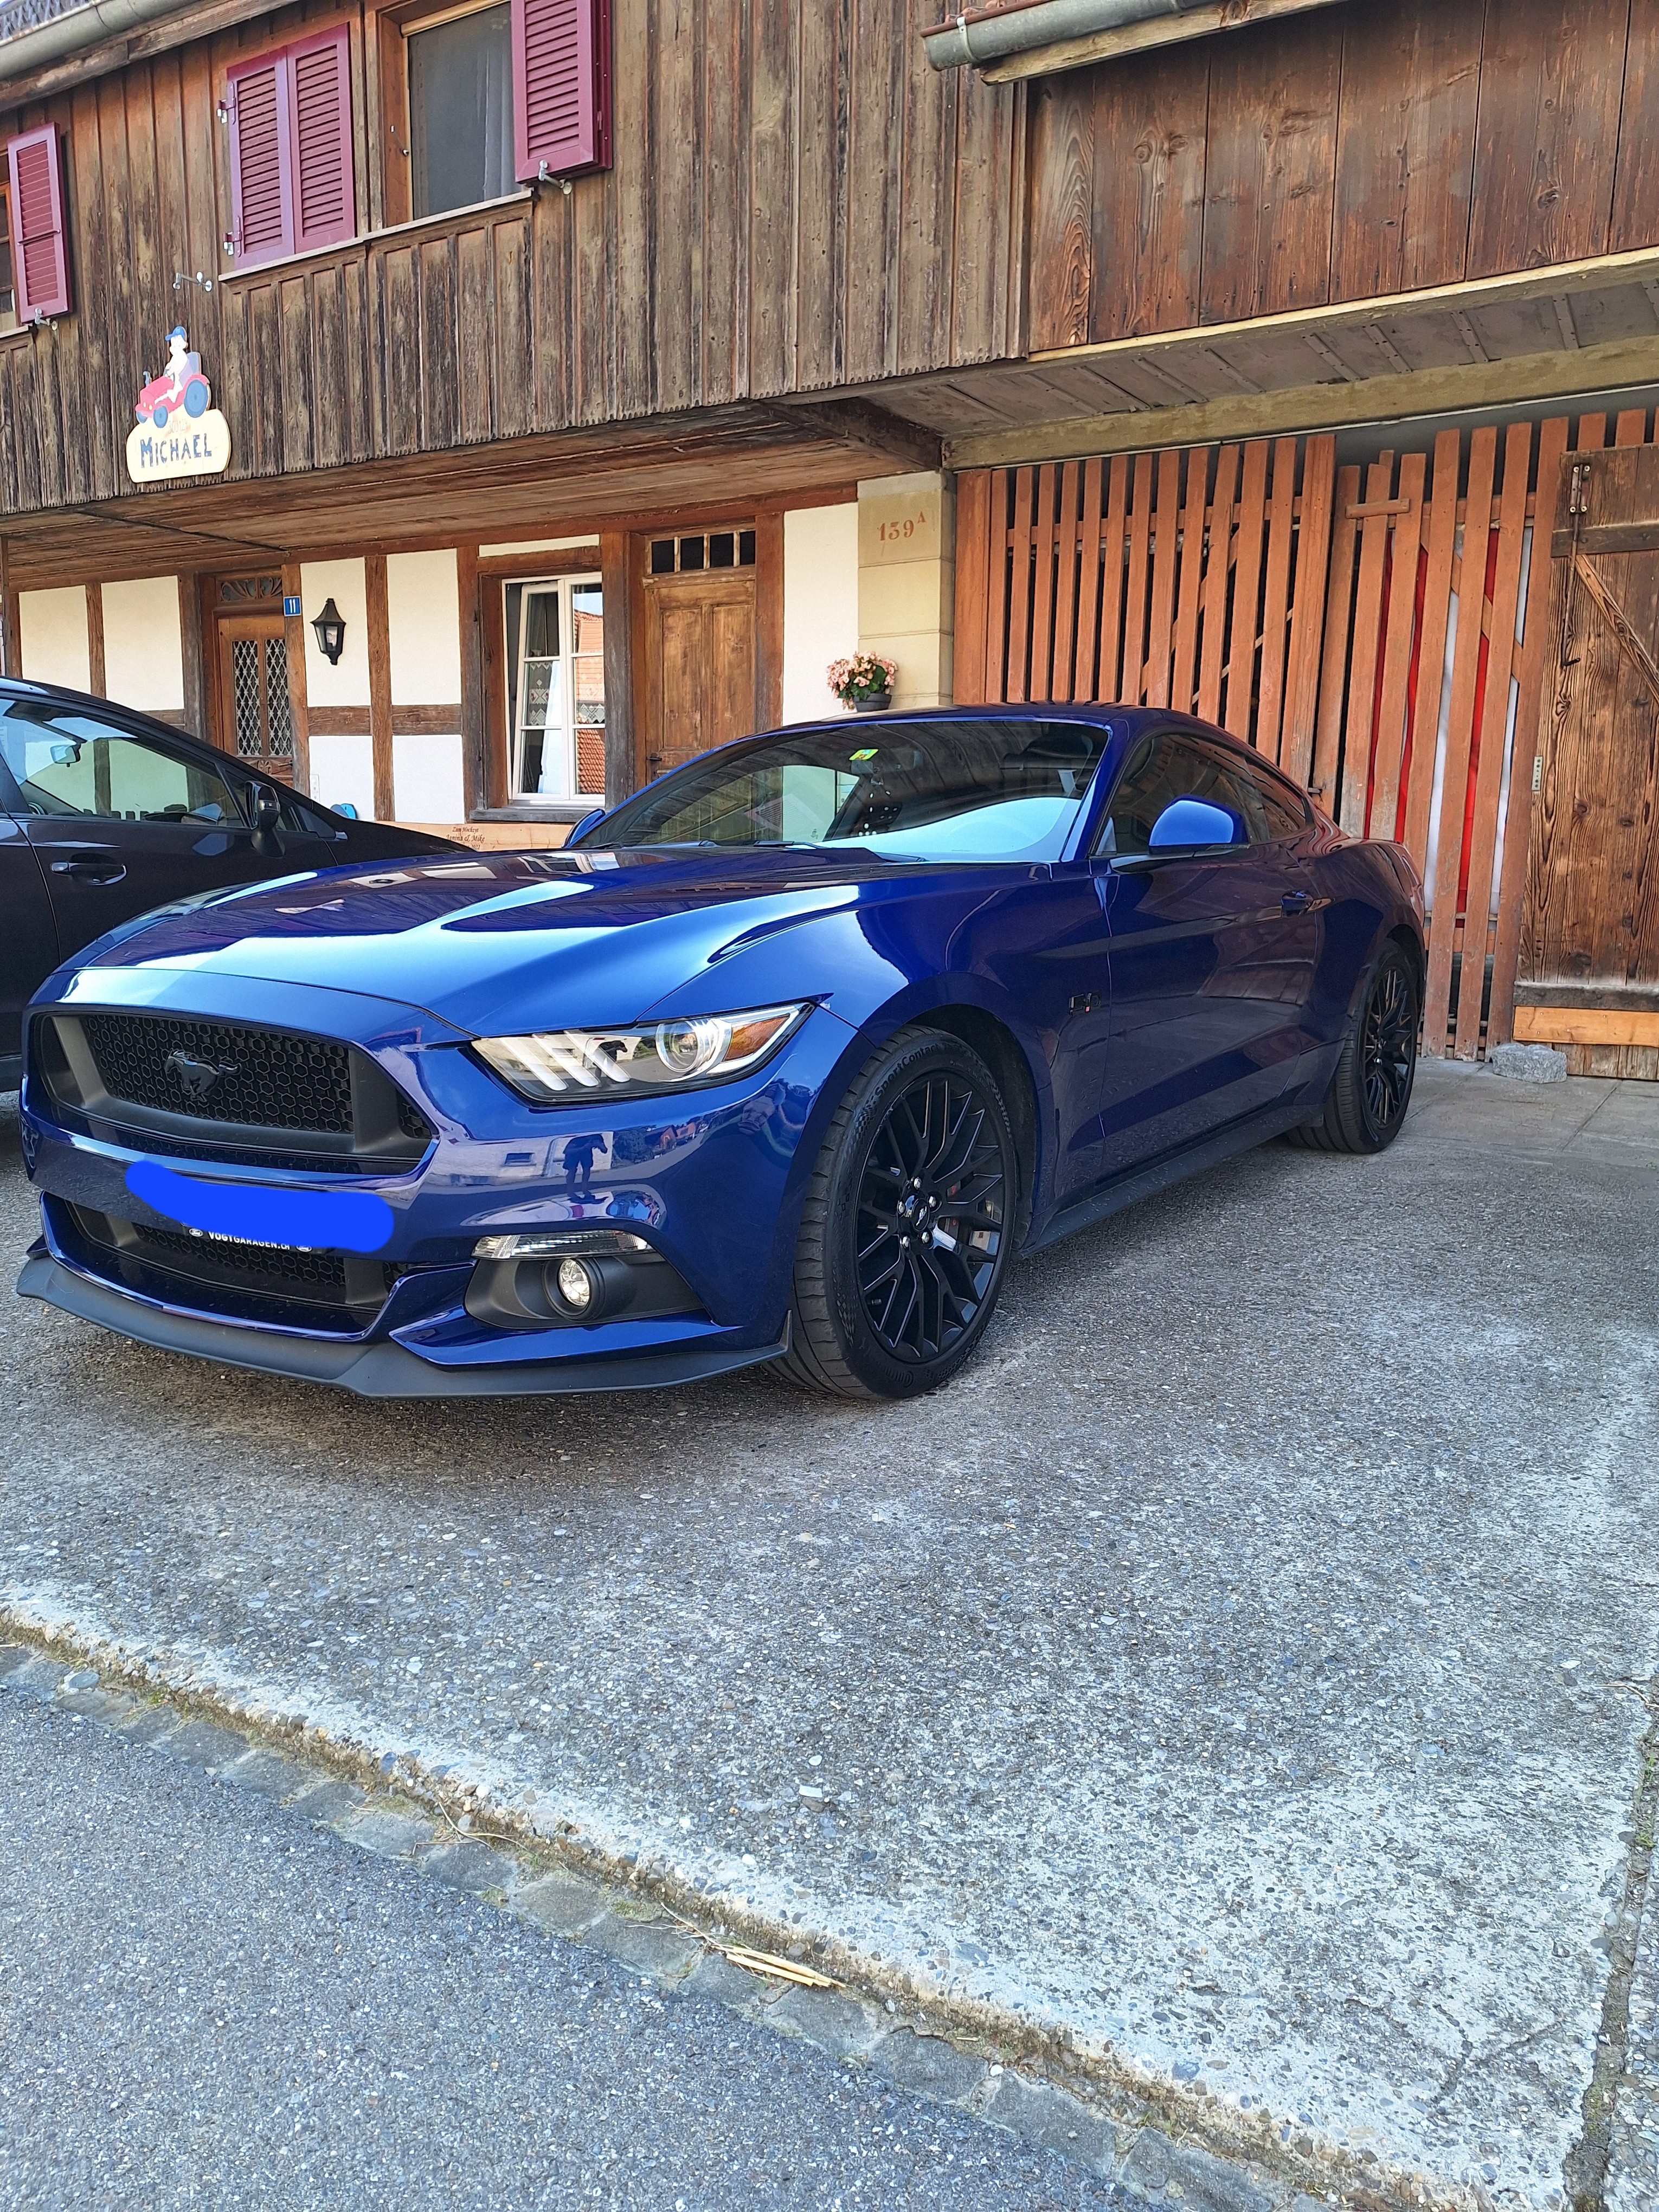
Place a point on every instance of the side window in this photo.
(66, 763)
(1282, 810)
(1162, 768)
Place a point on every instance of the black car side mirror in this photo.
(267, 820)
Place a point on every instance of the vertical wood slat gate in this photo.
(1316, 612)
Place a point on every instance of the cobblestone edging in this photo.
(1004, 2081)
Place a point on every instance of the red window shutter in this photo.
(39, 252)
(261, 195)
(561, 92)
(325, 200)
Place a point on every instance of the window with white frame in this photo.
(555, 688)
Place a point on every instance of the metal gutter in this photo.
(78, 30)
(995, 38)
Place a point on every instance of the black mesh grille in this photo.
(263, 1079)
(281, 1266)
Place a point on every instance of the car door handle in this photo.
(91, 868)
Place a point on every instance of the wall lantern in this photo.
(330, 627)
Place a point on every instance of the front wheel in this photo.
(1371, 1089)
(905, 1233)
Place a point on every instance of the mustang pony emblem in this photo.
(196, 1078)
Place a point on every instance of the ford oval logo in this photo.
(195, 1078)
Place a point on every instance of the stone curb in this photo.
(859, 2029)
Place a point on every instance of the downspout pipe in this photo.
(77, 32)
(977, 36)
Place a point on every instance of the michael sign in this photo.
(179, 432)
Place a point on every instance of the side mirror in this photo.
(267, 818)
(589, 822)
(1187, 825)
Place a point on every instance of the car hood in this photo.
(500, 942)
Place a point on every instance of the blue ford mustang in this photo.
(784, 1059)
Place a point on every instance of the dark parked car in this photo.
(105, 814)
(784, 1059)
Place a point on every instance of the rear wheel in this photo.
(904, 1235)
(1371, 1089)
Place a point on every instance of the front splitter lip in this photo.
(371, 1370)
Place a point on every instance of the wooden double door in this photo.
(1588, 976)
(699, 664)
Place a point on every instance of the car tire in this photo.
(1365, 1106)
(879, 1309)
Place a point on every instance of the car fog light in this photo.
(576, 1285)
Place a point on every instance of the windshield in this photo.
(906, 791)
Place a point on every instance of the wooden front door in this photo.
(699, 664)
(256, 717)
(1588, 977)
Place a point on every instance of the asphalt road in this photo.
(1241, 1663)
(204, 2001)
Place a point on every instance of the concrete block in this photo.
(388, 1834)
(200, 1744)
(829, 2020)
(928, 2065)
(1038, 2112)
(1528, 1063)
(472, 1866)
(561, 1903)
(1155, 2166)
(656, 1948)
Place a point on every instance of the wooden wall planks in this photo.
(799, 202)
(1345, 153)
(1327, 615)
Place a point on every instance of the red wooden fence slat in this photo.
(1065, 581)
(1276, 600)
(1243, 631)
(1042, 584)
(1088, 594)
(1217, 570)
(1183, 660)
(1111, 682)
(1363, 654)
(1019, 589)
(1134, 595)
(1483, 456)
(1165, 548)
(1494, 720)
(975, 491)
(1313, 544)
(1442, 538)
(1390, 742)
(1333, 679)
(1517, 821)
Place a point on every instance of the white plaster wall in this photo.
(56, 648)
(342, 582)
(424, 608)
(343, 770)
(426, 779)
(143, 645)
(820, 604)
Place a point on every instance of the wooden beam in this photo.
(868, 428)
(11, 660)
(1599, 273)
(1136, 37)
(1382, 399)
(294, 630)
(768, 620)
(1583, 1025)
(616, 565)
(473, 767)
(98, 674)
(379, 685)
(190, 649)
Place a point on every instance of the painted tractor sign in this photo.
(181, 384)
(178, 430)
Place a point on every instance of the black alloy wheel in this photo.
(905, 1234)
(1371, 1089)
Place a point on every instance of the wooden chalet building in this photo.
(600, 369)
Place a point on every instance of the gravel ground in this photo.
(1239, 1664)
(204, 2001)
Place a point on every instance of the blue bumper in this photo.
(715, 1191)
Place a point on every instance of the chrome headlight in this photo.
(676, 1055)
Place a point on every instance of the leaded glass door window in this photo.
(556, 675)
(256, 710)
